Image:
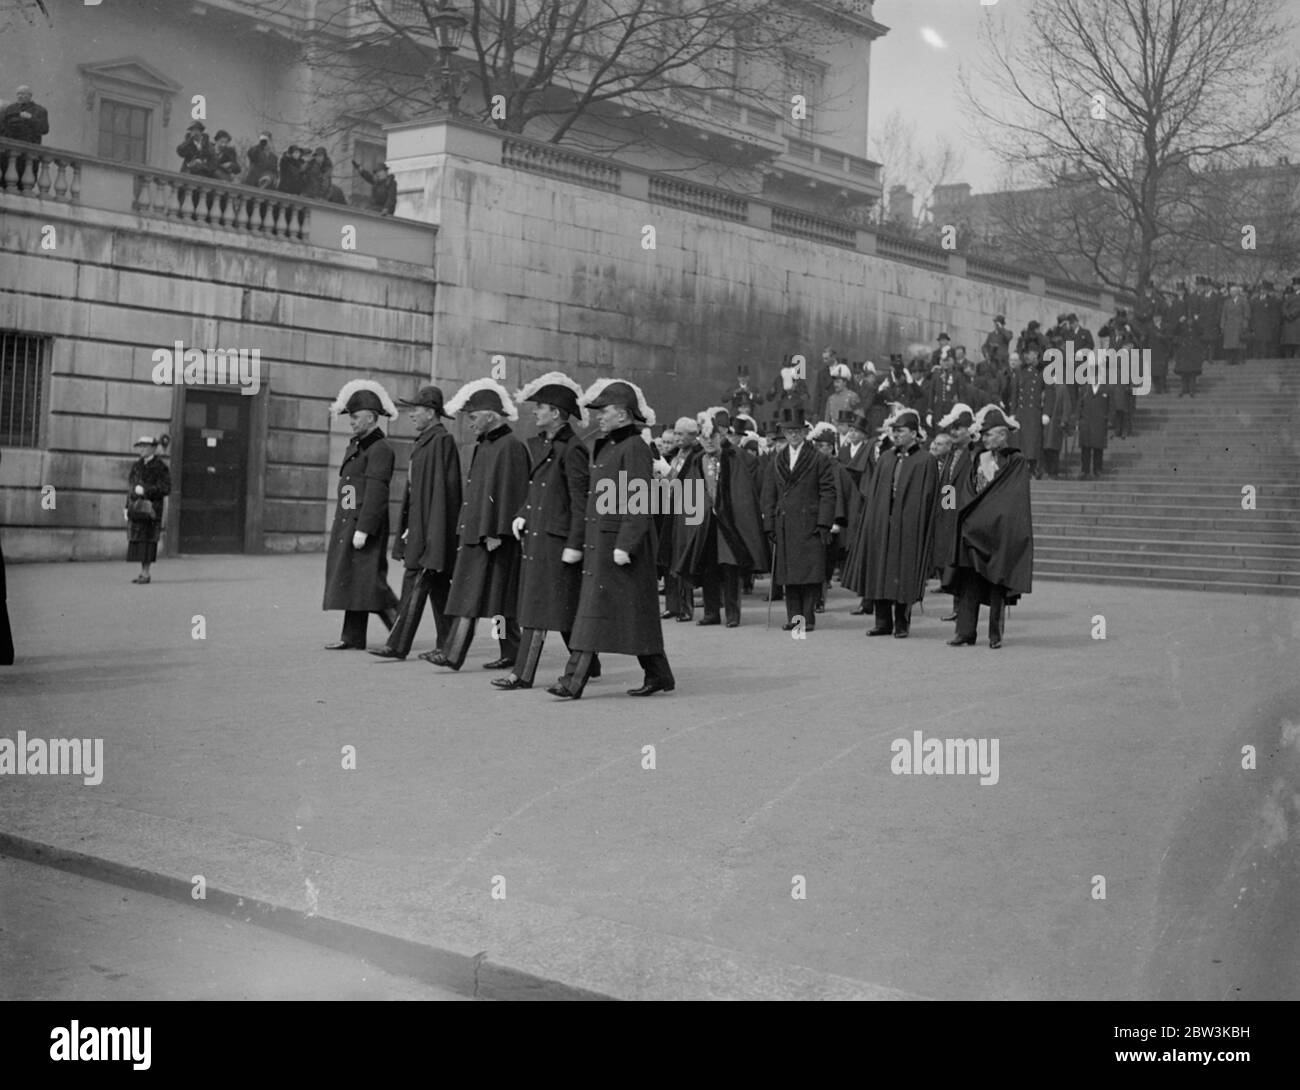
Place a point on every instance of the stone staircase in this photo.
(1169, 512)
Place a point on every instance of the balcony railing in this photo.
(36, 173)
(832, 162)
(698, 198)
(560, 163)
(791, 222)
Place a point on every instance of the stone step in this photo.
(1185, 523)
(1180, 582)
(1189, 555)
(1156, 502)
(1075, 530)
(1178, 486)
(1103, 571)
(1146, 507)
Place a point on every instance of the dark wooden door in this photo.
(214, 472)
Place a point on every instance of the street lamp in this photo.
(448, 84)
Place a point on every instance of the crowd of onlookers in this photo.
(297, 171)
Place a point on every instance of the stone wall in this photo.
(553, 273)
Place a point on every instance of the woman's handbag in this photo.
(141, 510)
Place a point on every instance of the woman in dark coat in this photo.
(618, 606)
(149, 480)
(356, 569)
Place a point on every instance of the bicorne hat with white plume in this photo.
(617, 391)
(555, 388)
(363, 393)
(481, 395)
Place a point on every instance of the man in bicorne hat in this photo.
(992, 561)
(356, 568)
(549, 525)
(953, 469)
(618, 607)
(888, 561)
(485, 582)
(798, 514)
(426, 537)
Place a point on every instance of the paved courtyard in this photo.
(1118, 760)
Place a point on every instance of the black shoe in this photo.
(820, 607)
(652, 687)
(950, 617)
(561, 690)
(667, 613)
(343, 645)
(683, 618)
(880, 631)
(733, 624)
(788, 626)
(499, 664)
(387, 653)
(510, 683)
(706, 621)
(962, 641)
(994, 643)
(437, 658)
(859, 612)
(901, 633)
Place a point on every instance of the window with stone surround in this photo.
(124, 131)
(128, 110)
(24, 362)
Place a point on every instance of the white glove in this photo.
(125, 516)
(621, 558)
(517, 527)
(359, 540)
(571, 556)
(405, 534)
(139, 490)
(1046, 420)
(492, 543)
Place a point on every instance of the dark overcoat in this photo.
(553, 521)
(357, 579)
(995, 531)
(1267, 313)
(798, 506)
(1234, 322)
(1025, 403)
(890, 558)
(1182, 325)
(485, 582)
(944, 390)
(153, 477)
(1093, 414)
(667, 523)
(731, 529)
(1291, 319)
(618, 608)
(951, 469)
(1058, 405)
(431, 504)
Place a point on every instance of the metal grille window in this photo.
(23, 362)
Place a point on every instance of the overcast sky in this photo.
(919, 77)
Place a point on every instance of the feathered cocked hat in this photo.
(991, 416)
(555, 388)
(483, 394)
(713, 419)
(959, 414)
(824, 433)
(363, 393)
(617, 391)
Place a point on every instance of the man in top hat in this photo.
(1057, 419)
(549, 524)
(1234, 324)
(356, 568)
(825, 438)
(992, 559)
(1266, 313)
(485, 582)
(618, 604)
(743, 398)
(727, 543)
(679, 593)
(197, 152)
(944, 389)
(1183, 321)
(426, 536)
(798, 514)
(1209, 308)
(898, 385)
(1092, 403)
(887, 562)
(855, 456)
(1032, 334)
(1024, 400)
(841, 398)
(942, 350)
(997, 345)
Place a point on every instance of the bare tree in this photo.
(1126, 109)
(597, 73)
(908, 162)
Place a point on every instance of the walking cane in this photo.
(771, 586)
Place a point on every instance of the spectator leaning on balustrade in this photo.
(24, 120)
(197, 152)
(262, 162)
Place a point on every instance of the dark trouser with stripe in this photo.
(579, 670)
(530, 654)
(420, 586)
(461, 636)
(679, 595)
(355, 622)
(721, 587)
(1052, 461)
(1091, 462)
(801, 601)
(974, 588)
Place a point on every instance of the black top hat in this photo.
(1035, 324)
(944, 337)
(1001, 318)
(846, 416)
(792, 416)
(365, 399)
(743, 370)
(428, 397)
(1071, 317)
(861, 422)
(895, 357)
